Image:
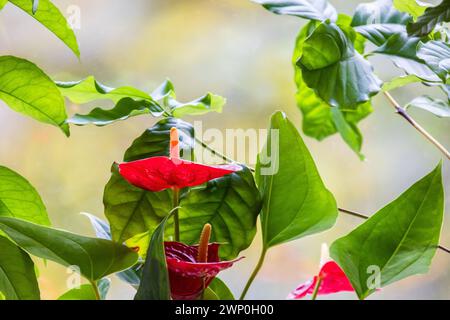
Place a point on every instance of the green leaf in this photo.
(131, 275)
(27, 89)
(95, 258)
(2, 4)
(131, 210)
(436, 55)
(348, 131)
(318, 120)
(437, 107)
(401, 49)
(431, 17)
(51, 18)
(19, 199)
(2, 296)
(378, 20)
(334, 69)
(89, 89)
(155, 277)
(319, 10)
(295, 200)
(220, 290)
(165, 95)
(84, 292)
(415, 8)
(123, 110)
(17, 277)
(399, 241)
(208, 103)
(231, 204)
(399, 82)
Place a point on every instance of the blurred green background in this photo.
(233, 48)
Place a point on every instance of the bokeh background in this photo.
(233, 48)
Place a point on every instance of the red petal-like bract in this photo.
(188, 278)
(333, 280)
(160, 173)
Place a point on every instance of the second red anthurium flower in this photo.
(330, 279)
(192, 268)
(160, 173)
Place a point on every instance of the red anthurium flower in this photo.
(332, 280)
(192, 268)
(160, 173)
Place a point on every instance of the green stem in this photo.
(254, 273)
(316, 288)
(96, 292)
(176, 220)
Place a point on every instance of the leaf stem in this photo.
(402, 112)
(176, 219)
(362, 216)
(96, 292)
(316, 288)
(218, 154)
(254, 273)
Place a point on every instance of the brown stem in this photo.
(402, 112)
(363, 216)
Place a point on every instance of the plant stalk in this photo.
(402, 112)
(254, 273)
(316, 288)
(96, 292)
(176, 219)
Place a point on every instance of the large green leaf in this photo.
(402, 49)
(436, 55)
(437, 107)
(27, 89)
(50, 17)
(334, 69)
(131, 210)
(379, 20)
(17, 277)
(400, 240)
(155, 277)
(95, 258)
(430, 18)
(318, 119)
(295, 200)
(123, 110)
(231, 204)
(2, 3)
(19, 199)
(319, 10)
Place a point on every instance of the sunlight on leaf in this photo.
(27, 89)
